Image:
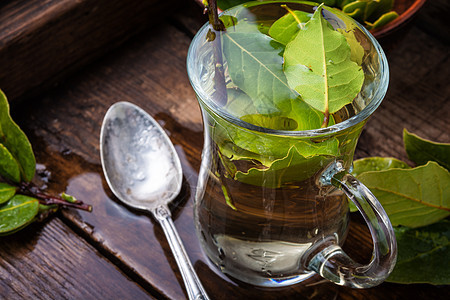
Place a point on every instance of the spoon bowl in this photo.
(144, 171)
(140, 163)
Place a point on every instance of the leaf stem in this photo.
(30, 189)
(326, 119)
(293, 15)
(214, 35)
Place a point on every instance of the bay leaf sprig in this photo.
(21, 201)
(417, 201)
(317, 65)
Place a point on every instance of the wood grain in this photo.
(51, 262)
(43, 41)
(64, 127)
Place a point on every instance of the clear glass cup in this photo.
(266, 213)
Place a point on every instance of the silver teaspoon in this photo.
(144, 171)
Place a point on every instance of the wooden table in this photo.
(119, 253)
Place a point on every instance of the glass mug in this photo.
(265, 213)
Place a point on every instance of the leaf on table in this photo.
(17, 213)
(411, 197)
(16, 142)
(318, 66)
(421, 151)
(423, 255)
(255, 66)
(9, 168)
(375, 163)
(286, 28)
(6, 192)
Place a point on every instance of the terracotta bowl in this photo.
(406, 10)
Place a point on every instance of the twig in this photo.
(30, 189)
(215, 35)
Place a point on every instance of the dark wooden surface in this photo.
(43, 41)
(118, 253)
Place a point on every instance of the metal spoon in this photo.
(144, 171)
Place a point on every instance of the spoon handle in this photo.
(193, 285)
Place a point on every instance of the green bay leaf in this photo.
(255, 67)
(292, 168)
(239, 103)
(411, 197)
(421, 151)
(377, 163)
(318, 66)
(226, 4)
(17, 213)
(6, 192)
(423, 255)
(9, 168)
(16, 142)
(268, 121)
(380, 8)
(286, 28)
(382, 20)
(374, 163)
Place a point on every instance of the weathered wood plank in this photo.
(43, 41)
(51, 262)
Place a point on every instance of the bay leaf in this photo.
(15, 140)
(268, 121)
(292, 168)
(6, 192)
(411, 197)
(350, 32)
(421, 150)
(361, 10)
(239, 103)
(380, 8)
(9, 168)
(267, 148)
(286, 28)
(226, 4)
(17, 213)
(377, 163)
(228, 21)
(374, 163)
(317, 65)
(382, 20)
(306, 116)
(256, 67)
(423, 255)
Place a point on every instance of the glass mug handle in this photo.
(332, 262)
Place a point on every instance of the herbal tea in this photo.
(285, 91)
